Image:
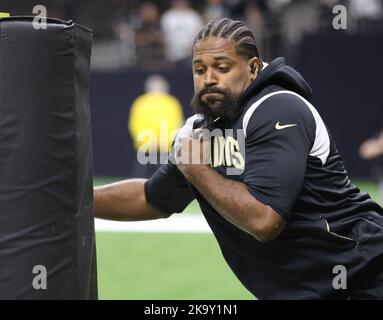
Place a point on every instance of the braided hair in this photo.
(231, 29)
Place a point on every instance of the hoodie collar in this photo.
(276, 72)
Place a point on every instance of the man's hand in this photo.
(372, 148)
(230, 198)
(193, 151)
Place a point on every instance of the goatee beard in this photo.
(227, 111)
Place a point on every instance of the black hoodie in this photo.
(281, 150)
(278, 73)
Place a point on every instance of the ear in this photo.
(255, 65)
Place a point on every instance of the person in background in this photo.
(153, 120)
(372, 149)
(235, 8)
(214, 10)
(367, 15)
(149, 38)
(180, 24)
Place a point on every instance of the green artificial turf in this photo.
(170, 265)
(164, 266)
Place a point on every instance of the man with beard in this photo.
(290, 224)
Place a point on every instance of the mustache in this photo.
(211, 90)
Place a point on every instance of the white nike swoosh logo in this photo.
(280, 127)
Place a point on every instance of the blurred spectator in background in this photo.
(180, 24)
(214, 10)
(367, 14)
(266, 14)
(254, 17)
(279, 26)
(235, 8)
(298, 18)
(149, 38)
(113, 24)
(372, 149)
(155, 110)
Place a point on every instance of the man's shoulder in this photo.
(275, 104)
(276, 97)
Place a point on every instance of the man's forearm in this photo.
(124, 201)
(234, 202)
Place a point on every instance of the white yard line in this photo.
(193, 223)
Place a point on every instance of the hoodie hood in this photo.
(277, 73)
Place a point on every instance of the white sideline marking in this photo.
(193, 223)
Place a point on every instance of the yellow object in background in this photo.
(148, 111)
(4, 15)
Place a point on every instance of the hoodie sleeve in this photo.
(280, 131)
(168, 190)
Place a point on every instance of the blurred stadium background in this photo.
(134, 40)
